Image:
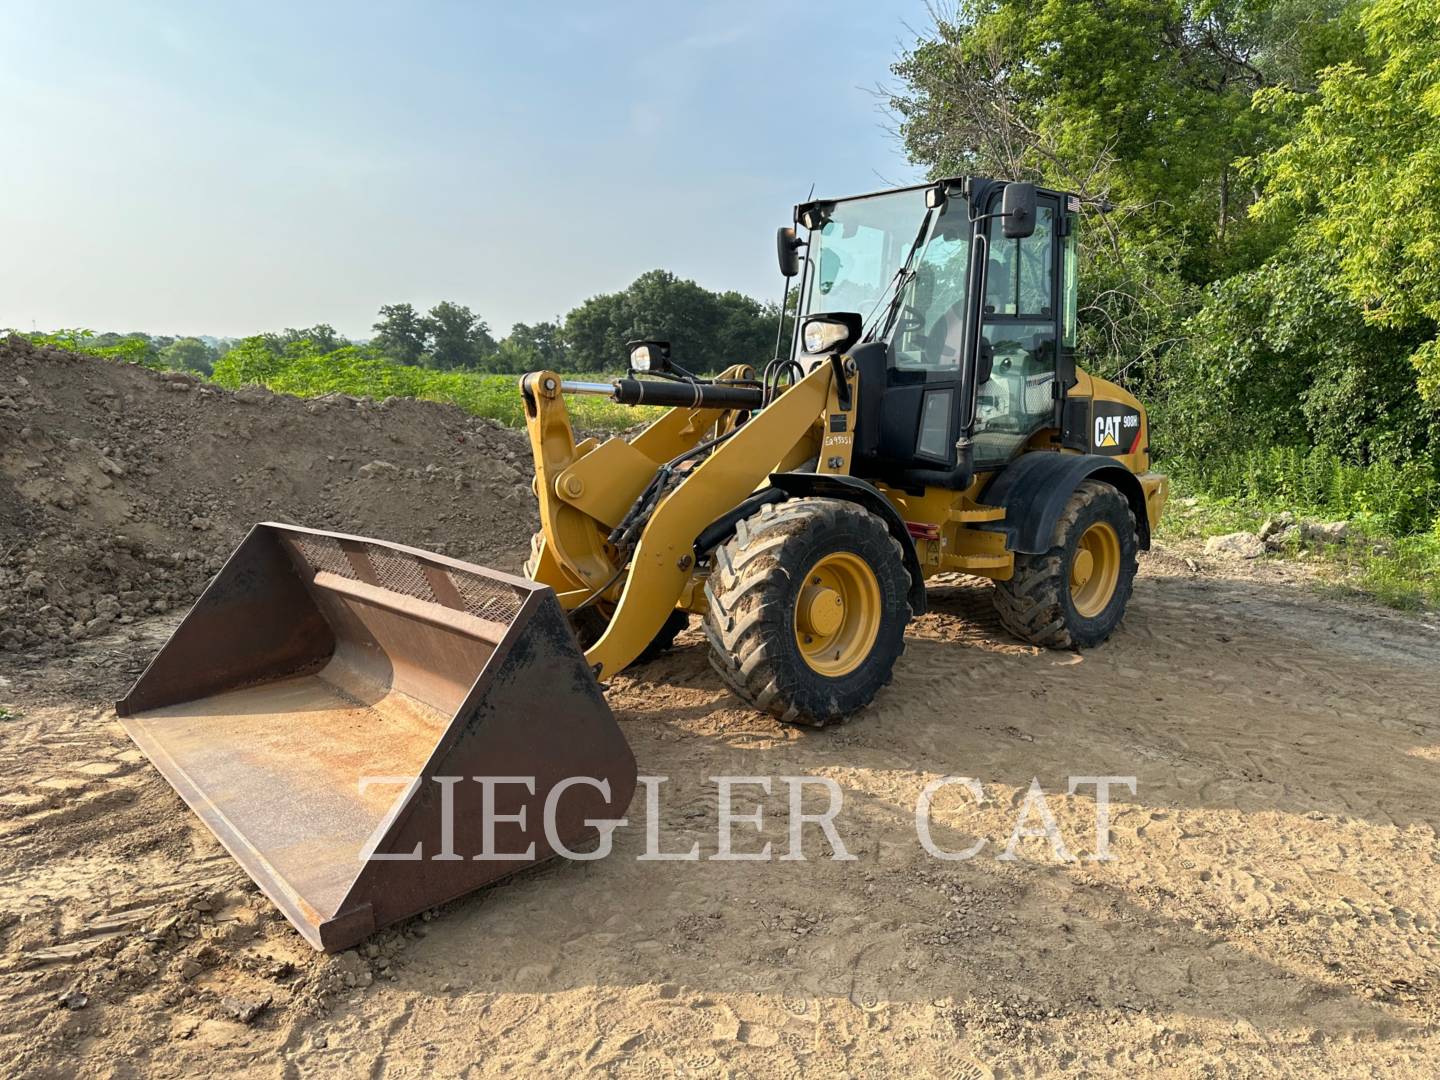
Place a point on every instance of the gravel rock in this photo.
(1236, 545)
(1276, 526)
(253, 395)
(1326, 532)
(244, 1009)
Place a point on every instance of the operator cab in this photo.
(903, 261)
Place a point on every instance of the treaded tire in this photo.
(589, 623)
(664, 639)
(752, 592)
(1036, 603)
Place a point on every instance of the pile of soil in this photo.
(122, 489)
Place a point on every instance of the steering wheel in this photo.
(909, 320)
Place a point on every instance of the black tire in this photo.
(589, 623)
(764, 572)
(1038, 603)
(664, 639)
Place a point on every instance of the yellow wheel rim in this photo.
(1095, 569)
(837, 614)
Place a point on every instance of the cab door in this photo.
(1022, 323)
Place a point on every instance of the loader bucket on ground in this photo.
(329, 707)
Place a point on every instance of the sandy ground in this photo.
(1270, 910)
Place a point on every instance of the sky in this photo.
(226, 169)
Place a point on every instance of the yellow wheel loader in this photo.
(372, 729)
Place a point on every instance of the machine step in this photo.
(975, 562)
(979, 513)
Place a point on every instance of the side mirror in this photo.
(787, 247)
(1017, 211)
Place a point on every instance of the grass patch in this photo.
(358, 370)
(1401, 499)
(497, 397)
(1191, 516)
(302, 370)
(1402, 572)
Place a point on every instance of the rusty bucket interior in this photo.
(330, 706)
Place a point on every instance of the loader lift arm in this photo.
(646, 586)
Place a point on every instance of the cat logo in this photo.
(1117, 429)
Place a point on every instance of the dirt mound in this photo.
(123, 489)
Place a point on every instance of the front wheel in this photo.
(807, 607)
(591, 622)
(1073, 596)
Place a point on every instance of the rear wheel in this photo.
(807, 606)
(1074, 594)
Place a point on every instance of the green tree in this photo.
(402, 333)
(530, 347)
(458, 337)
(745, 333)
(597, 331)
(707, 331)
(321, 335)
(1144, 107)
(1362, 172)
(1142, 103)
(188, 354)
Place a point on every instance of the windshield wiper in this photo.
(901, 280)
(885, 299)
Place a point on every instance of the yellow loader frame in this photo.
(584, 490)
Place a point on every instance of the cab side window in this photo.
(1020, 326)
(1020, 280)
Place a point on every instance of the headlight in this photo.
(649, 356)
(822, 335)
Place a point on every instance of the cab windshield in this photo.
(858, 260)
(854, 257)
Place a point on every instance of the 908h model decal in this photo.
(1115, 428)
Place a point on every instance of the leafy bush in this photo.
(1400, 498)
(1279, 356)
(300, 368)
(134, 350)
